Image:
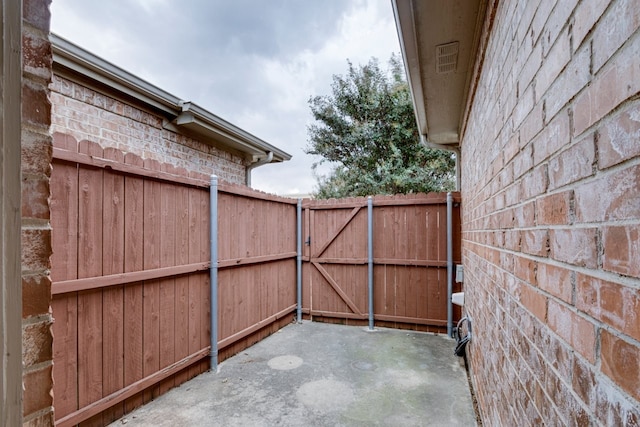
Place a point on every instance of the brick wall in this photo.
(551, 215)
(36, 229)
(85, 113)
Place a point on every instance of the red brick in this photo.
(36, 250)
(575, 330)
(36, 108)
(605, 92)
(611, 303)
(620, 363)
(556, 22)
(35, 197)
(556, 281)
(553, 209)
(523, 161)
(611, 197)
(535, 242)
(572, 164)
(575, 246)
(534, 183)
(36, 295)
(525, 269)
(622, 250)
(37, 393)
(534, 301)
(618, 137)
(37, 343)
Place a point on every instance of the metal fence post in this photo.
(449, 264)
(299, 261)
(370, 257)
(213, 269)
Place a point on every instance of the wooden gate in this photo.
(409, 251)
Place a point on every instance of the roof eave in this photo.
(70, 58)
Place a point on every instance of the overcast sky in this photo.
(254, 63)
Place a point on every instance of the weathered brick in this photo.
(554, 209)
(622, 250)
(556, 281)
(577, 246)
(620, 362)
(36, 13)
(572, 164)
(36, 153)
(534, 183)
(605, 92)
(37, 343)
(624, 16)
(36, 293)
(36, 109)
(618, 137)
(570, 82)
(535, 242)
(35, 197)
(611, 303)
(553, 138)
(611, 197)
(37, 396)
(36, 54)
(587, 13)
(36, 250)
(553, 64)
(575, 330)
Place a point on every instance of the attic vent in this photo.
(447, 58)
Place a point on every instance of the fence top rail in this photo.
(382, 200)
(241, 190)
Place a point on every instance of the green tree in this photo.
(366, 130)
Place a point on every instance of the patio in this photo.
(324, 374)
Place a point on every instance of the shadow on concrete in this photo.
(317, 374)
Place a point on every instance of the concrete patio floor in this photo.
(318, 374)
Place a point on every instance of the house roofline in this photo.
(183, 114)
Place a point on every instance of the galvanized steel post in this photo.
(213, 269)
(370, 256)
(449, 264)
(299, 261)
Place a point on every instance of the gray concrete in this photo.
(316, 374)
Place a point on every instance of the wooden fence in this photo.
(409, 255)
(130, 272)
(131, 282)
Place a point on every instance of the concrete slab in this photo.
(317, 374)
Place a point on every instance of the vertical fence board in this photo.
(90, 338)
(64, 266)
(167, 288)
(151, 291)
(195, 322)
(113, 297)
(133, 292)
(181, 343)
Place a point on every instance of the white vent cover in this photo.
(447, 58)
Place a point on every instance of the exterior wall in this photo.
(84, 113)
(551, 213)
(36, 229)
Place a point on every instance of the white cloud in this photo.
(253, 63)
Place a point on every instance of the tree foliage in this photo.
(366, 130)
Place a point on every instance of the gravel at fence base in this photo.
(317, 374)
